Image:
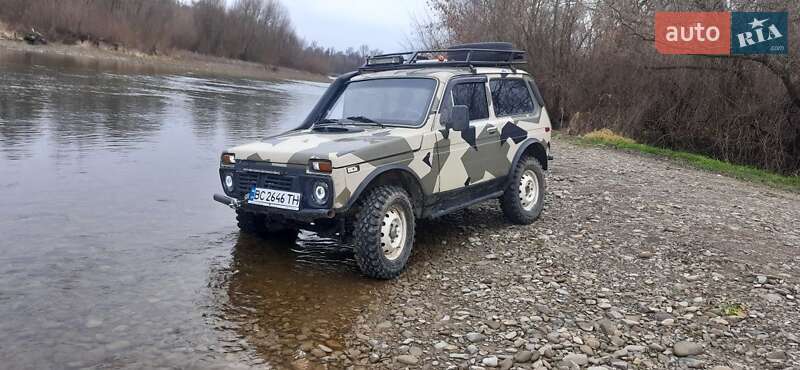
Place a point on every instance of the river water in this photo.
(112, 253)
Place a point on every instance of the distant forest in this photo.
(597, 66)
(251, 30)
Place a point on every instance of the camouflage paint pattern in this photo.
(440, 158)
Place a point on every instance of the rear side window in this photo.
(473, 95)
(510, 97)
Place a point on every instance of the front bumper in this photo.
(302, 215)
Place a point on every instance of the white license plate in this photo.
(274, 198)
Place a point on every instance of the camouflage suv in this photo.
(409, 136)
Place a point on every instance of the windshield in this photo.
(391, 101)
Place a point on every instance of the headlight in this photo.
(229, 182)
(319, 193)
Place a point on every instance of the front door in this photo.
(471, 156)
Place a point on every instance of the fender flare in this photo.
(372, 176)
(522, 148)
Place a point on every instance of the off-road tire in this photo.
(367, 224)
(510, 201)
(254, 223)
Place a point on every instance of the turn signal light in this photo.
(228, 159)
(321, 165)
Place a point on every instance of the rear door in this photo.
(467, 157)
(517, 112)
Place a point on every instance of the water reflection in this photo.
(293, 299)
(108, 230)
(82, 109)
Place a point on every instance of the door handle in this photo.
(491, 129)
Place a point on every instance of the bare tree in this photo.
(252, 30)
(597, 64)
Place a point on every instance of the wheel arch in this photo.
(391, 175)
(532, 148)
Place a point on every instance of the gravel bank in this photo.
(636, 263)
(176, 62)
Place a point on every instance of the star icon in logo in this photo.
(757, 23)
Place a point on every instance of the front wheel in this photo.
(523, 200)
(383, 232)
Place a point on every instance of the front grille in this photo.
(276, 182)
(245, 181)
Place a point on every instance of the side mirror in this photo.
(458, 118)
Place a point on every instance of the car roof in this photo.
(443, 74)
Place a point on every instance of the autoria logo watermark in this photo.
(721, 33)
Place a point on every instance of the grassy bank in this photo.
(607, 138)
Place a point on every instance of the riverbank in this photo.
(607, 138)
(176, 62)
(636, 263)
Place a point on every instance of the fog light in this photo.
(229, 182)
(320, 193)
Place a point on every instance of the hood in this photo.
(341, 148)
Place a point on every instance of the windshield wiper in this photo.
(323, 121)
(363, 119)
(327, 122)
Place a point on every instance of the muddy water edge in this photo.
(113, 254)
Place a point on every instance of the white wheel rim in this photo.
(393, 233)
(528, 190)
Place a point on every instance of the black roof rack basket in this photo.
(467, 55)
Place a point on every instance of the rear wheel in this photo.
(383, 232)
(523, 200)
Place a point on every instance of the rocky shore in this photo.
(637, 263)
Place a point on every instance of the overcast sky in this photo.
(381, 24)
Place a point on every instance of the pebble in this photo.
(407, 359)
(777, 355)
(475, 337)
(384, 325)
(607, 327)
(579, 359)
(526, 356)
(686, 348)
(490, 361)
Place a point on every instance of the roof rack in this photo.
(454, 57)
